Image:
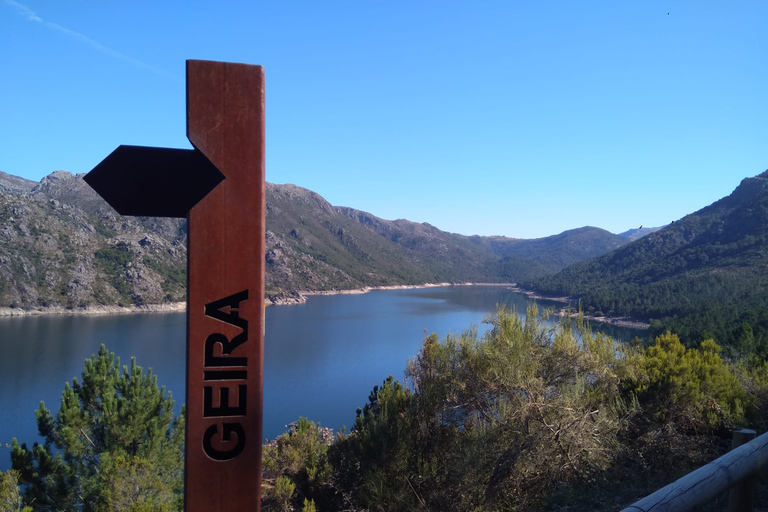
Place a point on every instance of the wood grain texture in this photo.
(707, 482)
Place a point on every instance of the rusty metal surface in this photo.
(225, 349)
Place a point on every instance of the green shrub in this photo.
(297, 462)
(692, 388)
(492, 422)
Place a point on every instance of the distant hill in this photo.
(637, 233)
(312, 245)
(705, 273)
(61, 245)
(558, 251)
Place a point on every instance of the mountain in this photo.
(706, 273)
(637, 233)
(15, 185)
(560, 250)
(312, 245)
(61, 245)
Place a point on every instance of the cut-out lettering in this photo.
(216, 372)
(227, 430)
(224, 409)
(226, 348)
(215, 309)
(225, 375)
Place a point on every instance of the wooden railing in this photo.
(734, 471)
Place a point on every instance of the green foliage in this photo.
(530, 415)
(296, 468)
(279, 497)
(114, 258)
(752, 373)
(743, 339)
(690, 387)
(174, 275)
(705, 272)
(113, 429)
(133, 485)
(527, 406)
(373, 464)
(10, 495)
(380, 421)
(515, 269)
(544, 256)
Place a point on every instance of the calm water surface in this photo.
(322, 358)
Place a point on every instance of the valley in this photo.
(63, 249)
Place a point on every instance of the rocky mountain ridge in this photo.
(62, 246)
(59, 247)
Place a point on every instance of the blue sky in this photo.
(514, 118)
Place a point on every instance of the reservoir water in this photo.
(322, 358)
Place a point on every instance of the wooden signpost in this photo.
(219, 186)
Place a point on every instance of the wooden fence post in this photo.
(742, 494)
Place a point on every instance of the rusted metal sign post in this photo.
(219, 187)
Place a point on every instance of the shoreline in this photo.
(176, 307)
(300, 297)
(536, 296)
(171, 307)
(619, 321)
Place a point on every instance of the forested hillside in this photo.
(706, 273)
(638, 233)
(314, 245)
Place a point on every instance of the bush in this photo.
(493, 422)
(296, 468)
(529, 416)
(692, 388)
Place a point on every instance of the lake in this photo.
(321, 358)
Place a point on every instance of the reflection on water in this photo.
(321, 358)
(470, 298)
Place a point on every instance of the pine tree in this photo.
(10, 496)
(113, 420)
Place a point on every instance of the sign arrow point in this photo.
(154, 182)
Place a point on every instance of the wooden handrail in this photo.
(741, 498)
(707, 482)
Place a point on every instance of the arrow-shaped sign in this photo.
(154, 182)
